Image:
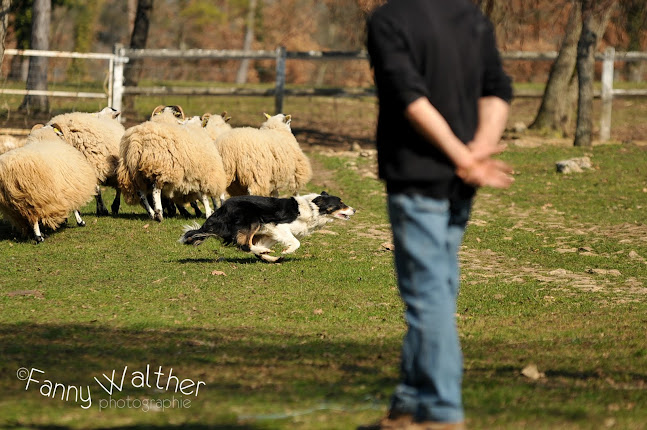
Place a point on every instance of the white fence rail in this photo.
(59, 54)
(121, 55)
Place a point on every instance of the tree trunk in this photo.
(37, 76)
(593, 14)
(138, 39)
(635, 15)
(241, 76)
(4, 22)
(84, 30)
(558, 103)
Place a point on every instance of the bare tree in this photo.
(558, 102)
(241, 76)
(634, 19)
(593, 13)
(4, 22)
(37, 76)
(138, 40)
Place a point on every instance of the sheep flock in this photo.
(162, 164)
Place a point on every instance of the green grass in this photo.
(553, 275)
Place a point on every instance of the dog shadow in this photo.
(234, 260)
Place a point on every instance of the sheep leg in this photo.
(101, 208)
(157, 204)
(39, 237)
(216, 202)
(144, 202)
(205, 203)
(116, 202)
(79, 220)
(185, 213)
(196, 208)
(169, 206)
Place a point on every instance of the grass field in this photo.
(553, 276)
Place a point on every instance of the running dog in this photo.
(255, 224)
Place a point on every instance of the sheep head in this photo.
(277, 121)
(174, 111)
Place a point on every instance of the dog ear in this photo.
(323, 193)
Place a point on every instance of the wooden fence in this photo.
(121, 55)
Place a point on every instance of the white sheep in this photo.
(97, 136)
(9, 142)
(216, 125)
(43, 181)
(264, 161)
(163, 157)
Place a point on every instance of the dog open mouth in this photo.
(345, 214)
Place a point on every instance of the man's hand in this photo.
(486, 173)
(482, 149)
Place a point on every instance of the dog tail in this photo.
(193, 235)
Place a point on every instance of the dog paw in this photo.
(269, 258)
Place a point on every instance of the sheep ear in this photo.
(178, 109)
(223, 114)
(157, 110)
(115, 114)
(287, 119)
(37, 127)
(267, 116)
(58, 130)
(205, 119)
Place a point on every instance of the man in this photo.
(443, 105)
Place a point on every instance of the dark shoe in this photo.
(393, 421)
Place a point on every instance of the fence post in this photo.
(118, 78)
(281, 55)
(607, 93)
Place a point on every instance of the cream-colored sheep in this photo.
(264, 161)
(43, 181)
(9, 142)
(216, 125)
(178, 161)
(96, 135)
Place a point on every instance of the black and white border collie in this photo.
(255, 224)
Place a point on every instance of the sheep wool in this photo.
(216, 125)
(9, 142)
(43, 181)
(97, 137)
(178, 160)
(264, 161)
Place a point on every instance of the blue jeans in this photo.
(427, 235)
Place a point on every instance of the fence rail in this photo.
(121, 55)
(61, 54)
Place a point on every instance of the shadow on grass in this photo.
(141, 427)
(247, 369)
(236, 260)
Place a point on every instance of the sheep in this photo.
(166, 158)
(216, 125)
(97, 136)
(43, 181)
(264, 161)
(8, 142)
